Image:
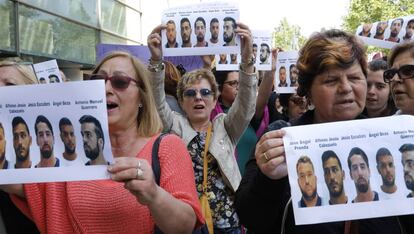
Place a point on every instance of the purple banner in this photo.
(142, 52)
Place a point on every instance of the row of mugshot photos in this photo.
(395, 30)
(200, 32)
(358, 180)
(65, 135)
(263, 58)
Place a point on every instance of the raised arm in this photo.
(157, 76)
(265, 87)
(242, 110)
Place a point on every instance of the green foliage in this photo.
(287, 36)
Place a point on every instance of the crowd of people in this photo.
(224, 142)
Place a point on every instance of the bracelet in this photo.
(159, 66)
(243, 65)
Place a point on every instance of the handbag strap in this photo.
(205, 160)
(155, 162)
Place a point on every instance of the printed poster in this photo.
(201, 29)
(54, 132)
(286, 77)
(387, 33)
(47, 72)
(352, 169)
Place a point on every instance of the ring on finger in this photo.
(140, 172)
(266, 157)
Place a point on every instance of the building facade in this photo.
(67, 30)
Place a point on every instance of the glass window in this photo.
(120, 19)
(7, 25)
(111, 39)
(51, 36)
(136, 4)
(82, 11)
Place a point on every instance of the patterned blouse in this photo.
(220, 196)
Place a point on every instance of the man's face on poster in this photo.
(200, 31)
(21, 142)
(171, 33)
(2, 144)
(381, 26)
(282, 75)
(264, 53)
(68, 138)
(186, 32)
(386, 169)
(334, 177)
(409, 29)
(45, 141)
(90, 141)
(366, 28)
(214, 30)
(396, 27)
(408, 164)
(228, 31)
(294, 74)
(360, 173)
(306, 180)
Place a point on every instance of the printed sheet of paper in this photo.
(262, 51)
(30, 116)
(201, 29)
(347, 181)
(286, 77)
(47, 72)
(387, 33)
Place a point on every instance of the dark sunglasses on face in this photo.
(404, 72)
(192, 93)
(233, 83)
(299, 101)
(118, 82)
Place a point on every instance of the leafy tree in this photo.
(287, 36)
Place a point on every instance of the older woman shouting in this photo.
(138, 203)
(197, 94)
(332, 75)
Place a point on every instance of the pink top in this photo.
(104, 206)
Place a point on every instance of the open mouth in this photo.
(198, 107)
(111, 105)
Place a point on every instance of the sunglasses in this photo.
(404, 72)
(118, 82)
(299, 101)
(233, 83)
(192, 93)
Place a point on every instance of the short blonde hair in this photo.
(148, 121)
(196, 76)
(24, 68)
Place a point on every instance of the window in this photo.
(7, 25)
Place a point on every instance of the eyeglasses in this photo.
(404, 72)
(233, 83)
(299, 101)
(192, 93)
(118, 82)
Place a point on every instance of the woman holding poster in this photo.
(197, 95)
(132, 202)
(332, 75)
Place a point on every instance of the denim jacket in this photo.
(227, 128)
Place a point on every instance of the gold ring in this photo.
(266, 157)
(140, 172)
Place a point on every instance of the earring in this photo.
(140, 105)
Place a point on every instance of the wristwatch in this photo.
(156, 67)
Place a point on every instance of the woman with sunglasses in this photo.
(379, 100)
(197, 94)
(401, 77)
(332, 75)
(131, 202)
(13, 71)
